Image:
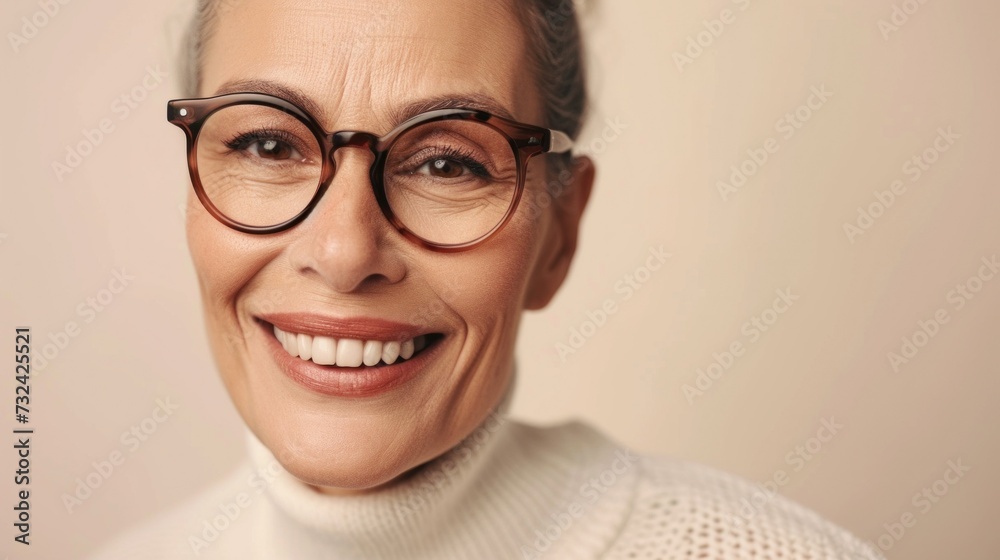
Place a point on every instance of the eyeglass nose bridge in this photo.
(351, 138)
(356, 139)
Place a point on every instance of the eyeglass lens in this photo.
(447, 181)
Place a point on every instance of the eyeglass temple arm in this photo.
(559, 142)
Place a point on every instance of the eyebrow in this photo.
(474, 101)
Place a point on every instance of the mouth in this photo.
(348, 357)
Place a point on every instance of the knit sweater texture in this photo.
(508, 491)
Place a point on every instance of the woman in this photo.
(363, 288)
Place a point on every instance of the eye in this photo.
(266, 145)
(451, 165)
(274, 149)
(443, 168)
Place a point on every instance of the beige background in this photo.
(825, 357)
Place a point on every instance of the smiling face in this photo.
(344, 287)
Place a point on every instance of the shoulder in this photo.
(681, 509)
(204, 526)
(687, 509)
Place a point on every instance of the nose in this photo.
(346, 242)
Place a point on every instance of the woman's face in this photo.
(345, 273)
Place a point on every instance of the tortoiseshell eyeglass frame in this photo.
(526, 141)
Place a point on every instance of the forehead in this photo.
(361, 62)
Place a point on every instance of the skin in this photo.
(360, 63)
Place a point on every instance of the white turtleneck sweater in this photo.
(508, 491)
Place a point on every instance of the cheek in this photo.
(487, 285)
(225, 260)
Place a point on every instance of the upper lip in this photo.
(360, 328)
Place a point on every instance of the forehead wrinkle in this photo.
(357, 79)
(397, 113)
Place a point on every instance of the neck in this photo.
(488, 495)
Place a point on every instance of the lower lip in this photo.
(348, 382)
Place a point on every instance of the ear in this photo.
(563, 232)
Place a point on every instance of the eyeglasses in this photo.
(448, 179)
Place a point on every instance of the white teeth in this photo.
(406, 350)
(303, 345)
(373, 352)
(291, 343)
(390, 351)
(348, 352)
(324, 350)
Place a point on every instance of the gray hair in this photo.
(555, 53)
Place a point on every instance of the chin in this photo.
(342, 453)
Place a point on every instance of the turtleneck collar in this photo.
(494, 495)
